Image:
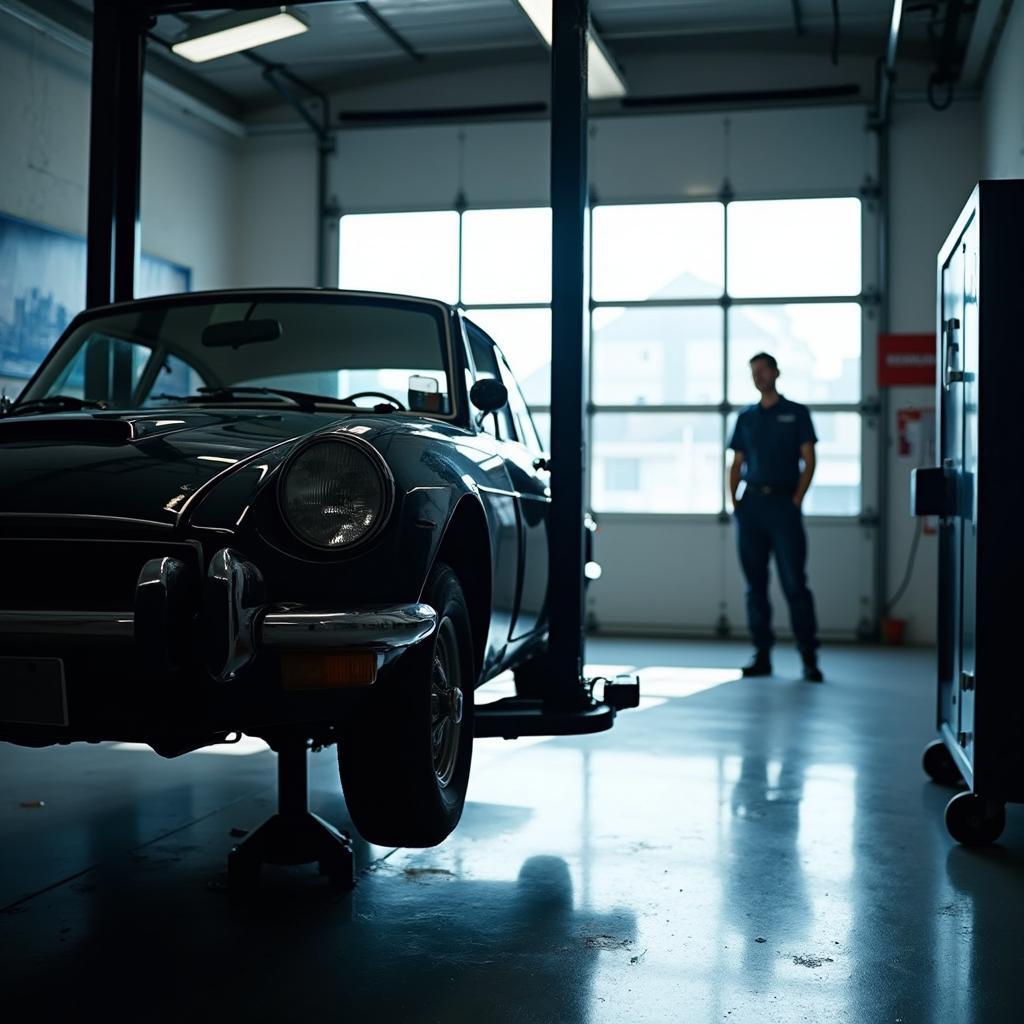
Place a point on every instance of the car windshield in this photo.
(329, 346)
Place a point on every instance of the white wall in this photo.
(1003, 109)
(808, 151)
(189, 207)
(277, 192)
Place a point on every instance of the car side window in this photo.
(520, 410)
(498, 424)
(104, 369)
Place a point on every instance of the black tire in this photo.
(939, 764)
(974, 821)
(404, 760)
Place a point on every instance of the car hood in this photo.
(152, 467)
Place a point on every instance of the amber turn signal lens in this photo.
(328, 671)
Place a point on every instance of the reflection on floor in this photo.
(760, 850)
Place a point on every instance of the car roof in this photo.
(242, 294)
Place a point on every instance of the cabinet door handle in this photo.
(951, 375)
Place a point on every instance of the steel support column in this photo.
(568, 362)
(115, 152)
(882, 532)
(881, 124)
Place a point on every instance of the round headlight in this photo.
(335, 493)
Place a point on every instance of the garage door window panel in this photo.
(657, 355)
(408, 253)
(836, 490)
(656, 462)
(795, 247)
(506, 256)
(658, 251)
(817, 345)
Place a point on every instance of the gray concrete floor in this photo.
(761, 850)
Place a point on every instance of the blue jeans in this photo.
(767, 523)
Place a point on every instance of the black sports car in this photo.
(267, 511)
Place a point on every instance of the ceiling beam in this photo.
(374, 16)
(989, 20)
(798, 18)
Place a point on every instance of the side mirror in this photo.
(488, 395)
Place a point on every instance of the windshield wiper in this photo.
(304, 401)
(307, 401)
(58, 402)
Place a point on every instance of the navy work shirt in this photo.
(770, 441)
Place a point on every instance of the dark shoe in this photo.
(812, 673)
(760, 665)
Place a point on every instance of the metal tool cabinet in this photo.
(977, 492)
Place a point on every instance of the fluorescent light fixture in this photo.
(604, 80)
(539, 12)
(237, 31)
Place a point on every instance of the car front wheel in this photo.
(404, 755)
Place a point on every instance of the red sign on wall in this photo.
(906, 360)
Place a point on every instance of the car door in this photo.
(500, 492)
(520, 449)
(527, 466)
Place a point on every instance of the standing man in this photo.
(773, 453)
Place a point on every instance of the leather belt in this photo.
(771, 489)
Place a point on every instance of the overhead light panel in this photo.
(237, 31)
(604, 80)
(539, 12)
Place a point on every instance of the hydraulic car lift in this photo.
(120, 28)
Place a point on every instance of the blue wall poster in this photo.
(42, 287)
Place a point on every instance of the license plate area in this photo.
(33, 691)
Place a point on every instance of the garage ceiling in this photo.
(343, 40)
(347, 42)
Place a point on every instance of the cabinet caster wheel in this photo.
(974, 821)
(939, 764)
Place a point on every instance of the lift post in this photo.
(569, 706)
(115, 151)
(568, 348)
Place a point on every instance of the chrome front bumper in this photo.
(232, 624)
(386, 629)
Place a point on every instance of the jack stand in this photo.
(294, 835)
